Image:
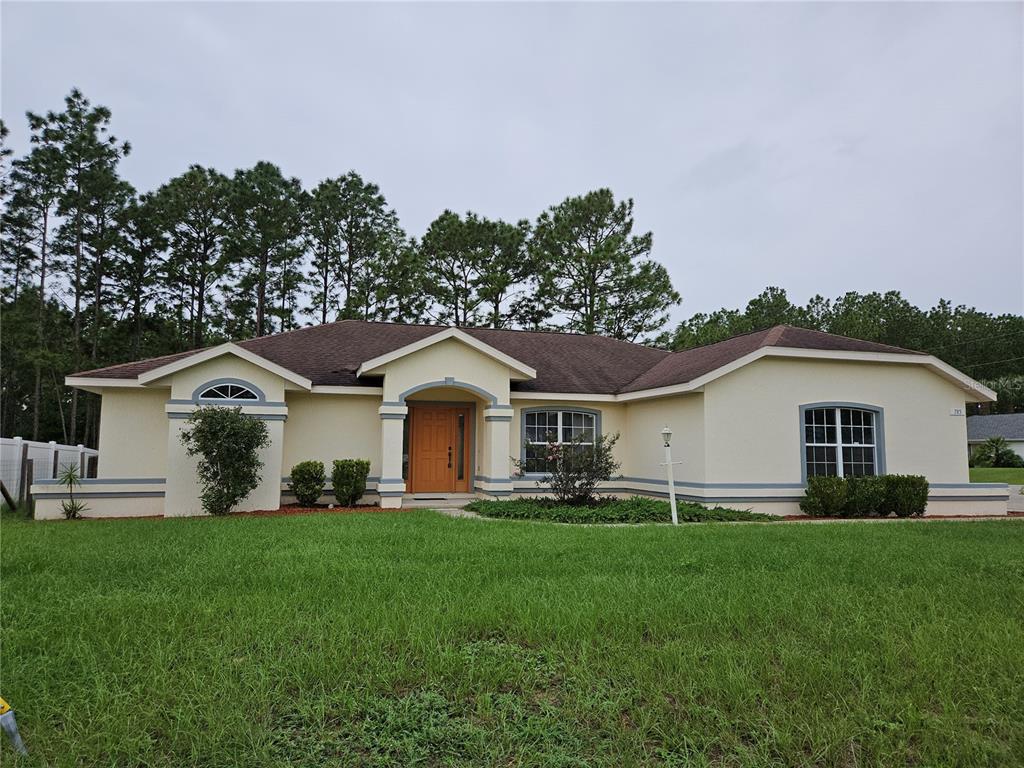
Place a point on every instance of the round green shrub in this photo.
(349, 479)
(906, 495)
(824, 497)
(865, 496)
(308, 481)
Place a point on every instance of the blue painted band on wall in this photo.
(107, 481)
(259, 416)
(392, 416)
(498, 418)
(101, 495)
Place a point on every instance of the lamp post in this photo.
(666, 436)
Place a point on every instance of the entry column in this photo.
(391, 486)
(495, 479)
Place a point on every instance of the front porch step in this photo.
(437, 501)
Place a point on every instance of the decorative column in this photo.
(495, 479)
(391, 486)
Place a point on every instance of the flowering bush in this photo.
(577, 467)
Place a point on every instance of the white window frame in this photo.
(594, 416)
(224, 393)
(838, 444)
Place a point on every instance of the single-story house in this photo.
(1009, 426)
(443, 411)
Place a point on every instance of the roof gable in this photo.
(519, 371)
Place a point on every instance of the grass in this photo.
(635, 509)
(415, 639)
(1013, 476)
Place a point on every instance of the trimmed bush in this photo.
(825, 497)
(308, 481)
(228, 445)
(906, 495)
(865, 496)
(636, 509)
(349, 479)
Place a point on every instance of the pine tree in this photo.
(194, 208)
(600, 274)
(142, 264)
(265, 224)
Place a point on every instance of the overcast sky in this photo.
(818, 147)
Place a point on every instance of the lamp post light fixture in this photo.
(666, 438)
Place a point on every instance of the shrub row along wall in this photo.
(867, 496)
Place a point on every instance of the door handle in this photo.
(449, 457)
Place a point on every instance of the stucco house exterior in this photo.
(441, 411)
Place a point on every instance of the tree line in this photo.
(96, 272)
(987, 347)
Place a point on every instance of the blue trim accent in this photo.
(485, 479)
(541, 409)
(989, 497)
(391, 480)
(449, 382)
(107, 481)
(328, 484)
(391, 494)
(493, 493)
(101, 495)
(393, 402)
(392, 416)
(499, 418)
(689, 484)
(260, 416)
(993, 486)
(879, 434)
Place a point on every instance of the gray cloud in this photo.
(820, 147)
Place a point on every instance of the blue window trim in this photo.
(877, 410)
(540, 409)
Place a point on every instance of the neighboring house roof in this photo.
(332, 354)
(1007, 425)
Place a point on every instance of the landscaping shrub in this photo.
(825, 497)
(578, 468)
(636, 509)
(349, 479)
(865, 496)
(906, 495)
(228, 445)
(307, 482)
(996, 452)
(71, 507)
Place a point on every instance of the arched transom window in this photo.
(228, 392)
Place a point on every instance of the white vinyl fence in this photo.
(48, 460)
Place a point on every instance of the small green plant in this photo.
(577, 467)
(70, 479)
(228, 445)
(865, 496)
(906, 495)
(349, 479)
(308, 481)
(825, 497)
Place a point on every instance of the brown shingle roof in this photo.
(690, 364)
(330, 355)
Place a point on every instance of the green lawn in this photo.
(417, 639)
(997, 475)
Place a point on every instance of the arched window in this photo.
(228, 392)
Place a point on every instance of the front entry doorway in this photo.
(440, 450)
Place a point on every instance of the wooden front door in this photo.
(437, 434)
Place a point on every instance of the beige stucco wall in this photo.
(329, 427)
(184, 383)
(133, 433)
(753, 419)
(446, 359)
(684, 415)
